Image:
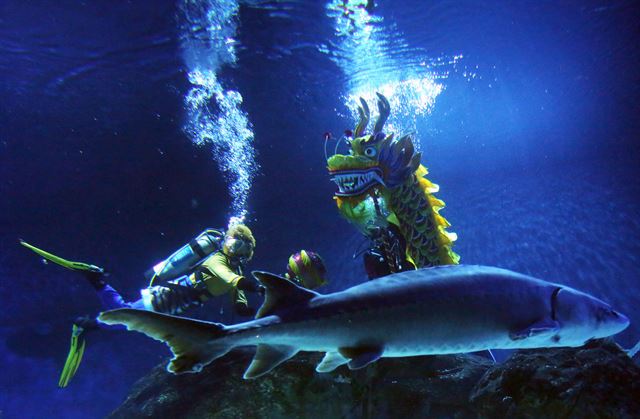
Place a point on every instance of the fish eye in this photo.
(370, 151)
(612, 313)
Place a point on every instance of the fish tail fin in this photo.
(634, 351)
(194, 343)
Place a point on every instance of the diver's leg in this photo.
(110, 299)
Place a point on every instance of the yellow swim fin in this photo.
(74, 357)
(74, 266)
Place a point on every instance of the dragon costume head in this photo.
(375, 159)
(381, 181)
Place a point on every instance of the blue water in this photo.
(526, 114)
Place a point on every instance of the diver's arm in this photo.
(220, 278)
(218, 275)
(250, 285)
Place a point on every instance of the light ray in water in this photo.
(375, 58)
(214, 114)
(408, 99)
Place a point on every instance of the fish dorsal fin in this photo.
(280, 292)
(267, 358)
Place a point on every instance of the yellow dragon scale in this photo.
(428, 244)
(416, 212)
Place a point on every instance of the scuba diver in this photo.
(383, 192)
(210, 265)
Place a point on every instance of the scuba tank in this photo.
(185, 259)
(174, 297)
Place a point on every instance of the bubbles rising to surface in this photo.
(215, 118)
(214, 114)
(208, 28)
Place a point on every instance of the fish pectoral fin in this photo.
(331, 361)
(268, 357)
(361, 356)
(537, 329)
(193, 342)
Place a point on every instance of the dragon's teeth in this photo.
(352, 182)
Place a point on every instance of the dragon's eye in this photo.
(370, 151)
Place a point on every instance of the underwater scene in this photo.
(319, 209)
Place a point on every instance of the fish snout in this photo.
(621, 319)
(612, 320)
(583, 315)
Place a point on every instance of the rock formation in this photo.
(596, 381)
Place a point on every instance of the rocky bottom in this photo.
(595, 381)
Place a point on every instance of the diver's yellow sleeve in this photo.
(218, 275)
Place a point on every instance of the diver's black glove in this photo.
(246, 284)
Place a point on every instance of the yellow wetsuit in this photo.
(221, 275)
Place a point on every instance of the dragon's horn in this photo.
(384, 110)
(364, 118)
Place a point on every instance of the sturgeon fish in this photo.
(440, 310)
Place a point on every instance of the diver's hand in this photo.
(249, 285)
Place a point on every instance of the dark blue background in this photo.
(537, 160)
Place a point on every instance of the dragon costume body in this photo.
(382, 189)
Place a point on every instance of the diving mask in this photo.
(236, 247)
